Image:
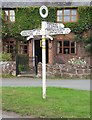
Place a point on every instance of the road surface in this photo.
(36, 82)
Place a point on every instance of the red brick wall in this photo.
(63, 58)
(30, 53)
(50, 49)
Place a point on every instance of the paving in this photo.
(13, 115)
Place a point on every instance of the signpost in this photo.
(33, 32)
(56, 31)
(51, 25)
(47, 29)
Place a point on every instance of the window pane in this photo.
(12, 15)
(72, 44)
(59, 18)
(23, 49)
(66, 50)
(59, 15)
(73, 12)
(66, 18)
(72, 50)
(59, 50)
(60, 43)
(12, 12)
(6, 15)
(59, 47)
(66, 12)
(59, 12)
(73, 18)
(11, 41)
(6, 12)
(11, 49)
(12, 19)
(66, 43)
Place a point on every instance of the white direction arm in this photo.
(30, 37)
(51, 38)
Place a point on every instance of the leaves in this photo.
(29, 18)
(5, 57)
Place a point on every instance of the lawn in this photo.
(60, 102)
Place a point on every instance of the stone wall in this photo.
(8, 67)
(65, 71)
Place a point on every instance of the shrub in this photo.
(5, 57)
(77, 62)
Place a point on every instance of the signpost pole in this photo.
(43, 60)
(43, 31)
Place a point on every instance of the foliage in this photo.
(88, 44)
(84, 20)
(23, 63)
(5, 57)
(77, 62)
(29, 18)
(20, 67)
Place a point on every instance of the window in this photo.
(59, 47)
(9, 47)
(23, 48)
(12, 16)
(9, 15)
(66, 47)
(67, 15)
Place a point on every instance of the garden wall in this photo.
(8, 67)
(56, 70)
(65, 71)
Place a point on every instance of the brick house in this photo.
(60, 50)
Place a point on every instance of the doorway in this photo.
(38, 51)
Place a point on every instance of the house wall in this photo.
(64, 58)
(53, 57)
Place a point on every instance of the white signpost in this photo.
(47, 29)
(33, 32)
(51, 25)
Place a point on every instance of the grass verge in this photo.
(60, 102)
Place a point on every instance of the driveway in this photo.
(28, 82)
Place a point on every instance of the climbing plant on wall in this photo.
(29, 18)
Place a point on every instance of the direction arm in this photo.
(30, 37)
(51, 38)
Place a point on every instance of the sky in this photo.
(45, 0)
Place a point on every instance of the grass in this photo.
(7, 76)
(60, 102)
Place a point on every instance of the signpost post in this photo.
(47, 28)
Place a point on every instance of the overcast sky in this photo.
(46, 0)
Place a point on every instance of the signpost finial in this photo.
(45, 9)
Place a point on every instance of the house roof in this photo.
(25, 3)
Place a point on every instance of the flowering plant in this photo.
(77, 62)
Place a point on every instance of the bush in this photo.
(77, 62)
(5, 57)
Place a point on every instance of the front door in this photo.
(38, 51)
